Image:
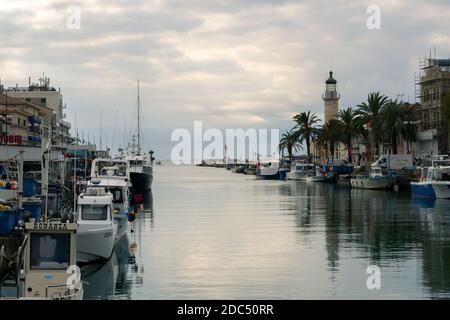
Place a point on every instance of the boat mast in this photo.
(138, 119)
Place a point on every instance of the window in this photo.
(18, 121)
(50, 251)
(43, 100)
(117, 195)
(91, 212)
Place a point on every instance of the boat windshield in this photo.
(94, 212)
(106, 168)
(438, 174)
(50, 251)
(117, 195)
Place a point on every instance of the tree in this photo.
(329, 135)
(370, 115)
(305, 129)
(397, 121)
(351, 128)
(290, 143)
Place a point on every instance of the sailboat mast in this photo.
(138, 118)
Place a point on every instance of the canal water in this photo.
(206, 233)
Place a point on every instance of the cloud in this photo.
(228, 63)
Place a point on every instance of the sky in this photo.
(231, 64)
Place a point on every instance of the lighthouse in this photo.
(330, 98)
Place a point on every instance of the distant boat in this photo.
(319, 176)
(301, 171)
(141, 165)
(375, 180)
(339, 167)
(114, 175)
(270, 169)
(238, 168)
(250, 169)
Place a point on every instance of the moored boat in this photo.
(50, 270)
(96, 226)
(270, 169)
(301, 171)
(238, 168)
(375, 180)
(114, 176)
(320, 176)
(434, 182)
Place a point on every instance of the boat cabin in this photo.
(50, 270)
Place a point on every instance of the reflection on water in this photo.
(223, 235)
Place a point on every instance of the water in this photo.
(211, 234)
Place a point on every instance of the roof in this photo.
(331, 80)
(439, 62)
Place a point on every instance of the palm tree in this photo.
(305, 128)
(396, 123)
(369, 113)
(289, 142)
(329, 135)
(351, 128)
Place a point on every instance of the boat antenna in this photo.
(75, 169)
(138, 118)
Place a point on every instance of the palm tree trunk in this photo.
(332, 151)
(394, 144)
(349, 150)
(372, 146)
(307, 149)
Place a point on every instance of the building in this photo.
(22, 128)
(31, 116)
(331, 99)
(43, 94)
(432, 114)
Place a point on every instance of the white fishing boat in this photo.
(375, 180)
(301, 171)
(96, 225)
(319, 176)
(270, 169)
(114, 176)
(434, 182)
(439, 177)
(50, 254)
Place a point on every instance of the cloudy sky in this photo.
(229, 63)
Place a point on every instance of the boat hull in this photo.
(317, 179)
(280, 175)
(121, 221)
(297, 176)
(441, 189)
(422, 190)
(238, 169)
(94, 244)
(372, 184)
(140, 182)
